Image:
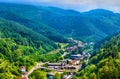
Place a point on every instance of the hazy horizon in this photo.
(79, 5)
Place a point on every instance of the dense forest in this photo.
(93, 25)
(35, 26)
(105, 64)
(20, 46)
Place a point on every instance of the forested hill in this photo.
(87, 26)
(37, 27)
(106, 62)
(101, 42)
(23, 35)
(19, 46)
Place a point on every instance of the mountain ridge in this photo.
(93, 25)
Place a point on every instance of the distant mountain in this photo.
(101, 42)
(41, 28)
(87, 26)
(24, 36)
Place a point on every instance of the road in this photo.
(65, 53)
(69, 77)
(54, 51)
(38, 66)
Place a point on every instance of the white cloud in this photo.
(81, 5)
(84, 5)
(39, 0)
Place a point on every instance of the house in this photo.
(66, 61)
(69, 67)
(71, 40)
(24, 76)
(80, 44)
(55, 65)
(74, 62)
(23, 69)
(87, 55)
(72, 48)
(78, 56)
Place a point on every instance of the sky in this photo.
(79, 5)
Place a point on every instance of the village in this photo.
(71, 64)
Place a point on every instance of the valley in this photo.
(43, 42)
(70, 65)
(55, 22)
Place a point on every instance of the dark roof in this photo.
(54, 64)
(22, 66)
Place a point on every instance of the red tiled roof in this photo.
(23, 78)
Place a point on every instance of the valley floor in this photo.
(69, 65)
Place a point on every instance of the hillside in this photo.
(105, 64)
(18, 45)
(38, 27)
(16, 31)
(87, 26)
(32, 34)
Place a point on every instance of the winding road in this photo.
(38, 66)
